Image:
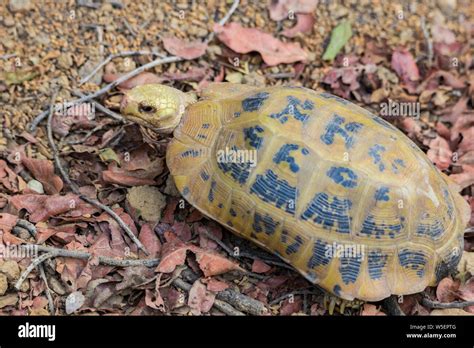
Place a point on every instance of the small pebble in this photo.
(36, 186)
(19, 5)
(9, 21)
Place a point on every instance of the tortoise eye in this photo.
(146, 108)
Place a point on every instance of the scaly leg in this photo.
(332, 302)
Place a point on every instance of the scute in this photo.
(337, 192)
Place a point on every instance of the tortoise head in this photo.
(155, 106)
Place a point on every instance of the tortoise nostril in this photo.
(123, 102)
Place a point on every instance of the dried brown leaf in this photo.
(259, 266)
(184, 49)
(43, 171)
(245, 40)
(42, 207)
(173, 254)
(200, 300)
(213, 264)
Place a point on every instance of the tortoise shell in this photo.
(337, 192)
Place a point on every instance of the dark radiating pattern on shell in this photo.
(320, 256)
(292, 109)
(336, 127)
(254, 102)
(329, 212)
(413, 260)
(376, 263)
(271, 189)
(264, 223)
(350, 269)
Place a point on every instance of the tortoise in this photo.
(335, 191)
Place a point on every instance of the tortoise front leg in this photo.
(331, 303)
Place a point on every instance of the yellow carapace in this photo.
(337, 192)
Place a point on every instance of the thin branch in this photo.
(229, 14)
(129, 27)
(282, 75)
(220, 304)
(145, 24)
(76, 190)
(88, 3)
(223, 306)
(103, 260)
(429, 42)
(116, 55)
(435, 304)
(224, 19)
(27, 226)
(115, 139)
(100, 38)
(240, 301)
(295, 293)
(8, 56)
(224, 246)
(129, 75)
(47, 289)
(32, 265)
(117, 218)
(86, 136)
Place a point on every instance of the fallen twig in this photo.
(242, 302)
(76, 190)
(32, 265)
(47, 289)
(23, 224)
(295, 293)
(429, 42)
(129, 27)
(225, 18)
(103, 260)
(86, 136)
(27, 226)
(223, 306)
(282, 75)
(116, 55)
(88, 3)
(117, 218)
(8, 56)
(114, 140)
(435, 304)
(236, 299)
